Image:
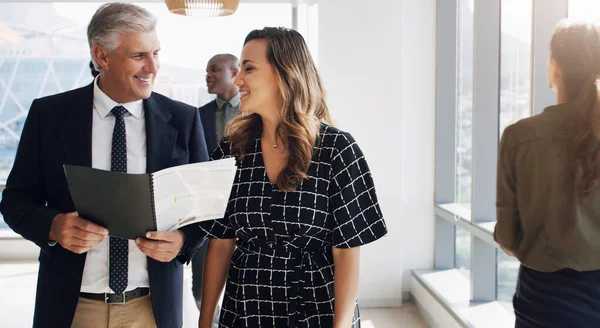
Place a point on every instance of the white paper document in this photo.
(192, 193)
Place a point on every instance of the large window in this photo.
(515, 61)
(464, 104)
(44, 51)
(500, 50)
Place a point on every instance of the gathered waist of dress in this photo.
(281, 250)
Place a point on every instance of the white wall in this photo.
(418, 133)
(377, 62)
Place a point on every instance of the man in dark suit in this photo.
(221, 71)
(87, 278)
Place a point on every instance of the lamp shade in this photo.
(209, 8)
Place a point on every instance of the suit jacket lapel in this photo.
(160, 136)
(76, 127)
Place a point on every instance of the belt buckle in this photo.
(106, 296)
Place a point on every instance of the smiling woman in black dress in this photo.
(302, 203)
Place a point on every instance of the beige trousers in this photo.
(136, 313)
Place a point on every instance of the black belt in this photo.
(117, 298)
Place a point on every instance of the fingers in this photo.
(151, 245)
(88, 226)
(85, 235)
(86, 239)
(170, 236)
(159, 250)
(156, 247)
(79, 245)
(163, 246)
(78, 249)
(79, 235)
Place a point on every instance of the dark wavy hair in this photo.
(575, 48)
(302, 107)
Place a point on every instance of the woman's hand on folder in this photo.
(75, 233)
(162, 246)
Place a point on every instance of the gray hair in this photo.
(112, 20)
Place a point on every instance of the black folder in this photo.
(122, 203)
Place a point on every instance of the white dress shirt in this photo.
(95, 272)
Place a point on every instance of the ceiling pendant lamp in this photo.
(207, 8)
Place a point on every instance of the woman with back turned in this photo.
(548, 200)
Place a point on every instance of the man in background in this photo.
(221, 71)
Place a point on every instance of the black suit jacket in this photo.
(208, 115)
(58, 131)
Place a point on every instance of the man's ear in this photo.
(101, 55)
(234, 73)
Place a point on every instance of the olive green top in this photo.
(541, 218)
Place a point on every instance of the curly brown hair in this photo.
(303, 106)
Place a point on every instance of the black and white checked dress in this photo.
(282, 273)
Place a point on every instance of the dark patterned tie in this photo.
(119, 247)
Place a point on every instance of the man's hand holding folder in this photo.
(162, 246)
(75, 233)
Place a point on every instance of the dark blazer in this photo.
(58, 131)
(208, 115)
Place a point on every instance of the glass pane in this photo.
(7, 67)
(8, 148)
(67, 72)
(462, 258)
(10, 110)
(50, 88)
(2, 91)
(28, 80)
(2, 223)
(515, 61)
(508, 271)
(584, 9)
(464, 106)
